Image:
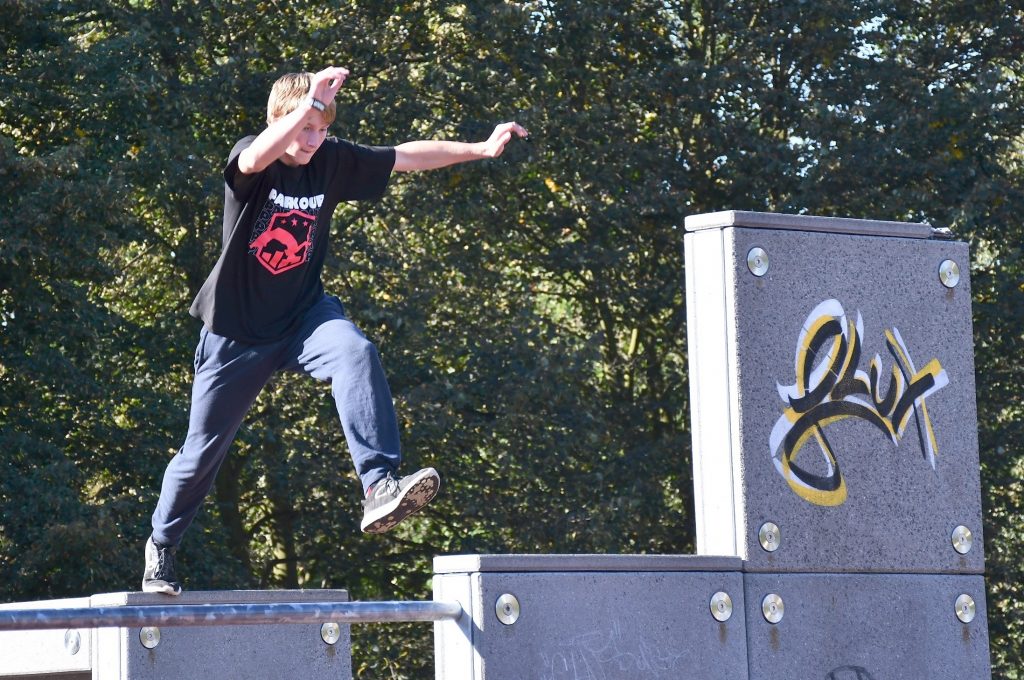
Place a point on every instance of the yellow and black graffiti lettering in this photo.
(829, 387)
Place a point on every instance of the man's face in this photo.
(305, 144)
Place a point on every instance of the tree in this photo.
(529, 311)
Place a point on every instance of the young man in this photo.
(264, 309)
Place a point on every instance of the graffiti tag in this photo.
(611, 654)
(829, 387)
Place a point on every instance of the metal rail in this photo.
(228, 614)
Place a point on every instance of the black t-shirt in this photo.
(276, 227)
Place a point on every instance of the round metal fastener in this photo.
(330, 632)
(965, 608)
(507, 609)
(149, 637)
(721, 606)
(949, 273)
(769, 536)
(962, 539)
(772, 608)
(72, 641)
(757, 261)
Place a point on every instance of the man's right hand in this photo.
(324, 85)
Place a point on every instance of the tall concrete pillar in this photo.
(835, 441)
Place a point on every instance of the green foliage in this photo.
(529, 310)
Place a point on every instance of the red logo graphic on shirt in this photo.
(285, 243)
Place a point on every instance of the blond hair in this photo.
(289, 92)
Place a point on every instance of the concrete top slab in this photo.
(66, 603)
(218, 597)
(450, 564)
(835, 225)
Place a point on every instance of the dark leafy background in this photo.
(529, 310)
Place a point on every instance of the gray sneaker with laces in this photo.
(159, 575)
(392, 499)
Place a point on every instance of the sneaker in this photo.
(159, 576)
(392, 499)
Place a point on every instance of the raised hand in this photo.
(324, 85)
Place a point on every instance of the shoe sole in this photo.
(416, 496)
(166, 589)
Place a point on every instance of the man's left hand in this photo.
(495, 144)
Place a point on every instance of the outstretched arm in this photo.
(430, 155)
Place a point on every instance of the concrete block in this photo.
(46, 654)
(243, 652)
(550, 617)
(833, 395)
(866, 627)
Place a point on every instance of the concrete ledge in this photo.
(218, 597)
(463, 564)
(835, 225)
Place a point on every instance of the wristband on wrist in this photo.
(315, 103)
